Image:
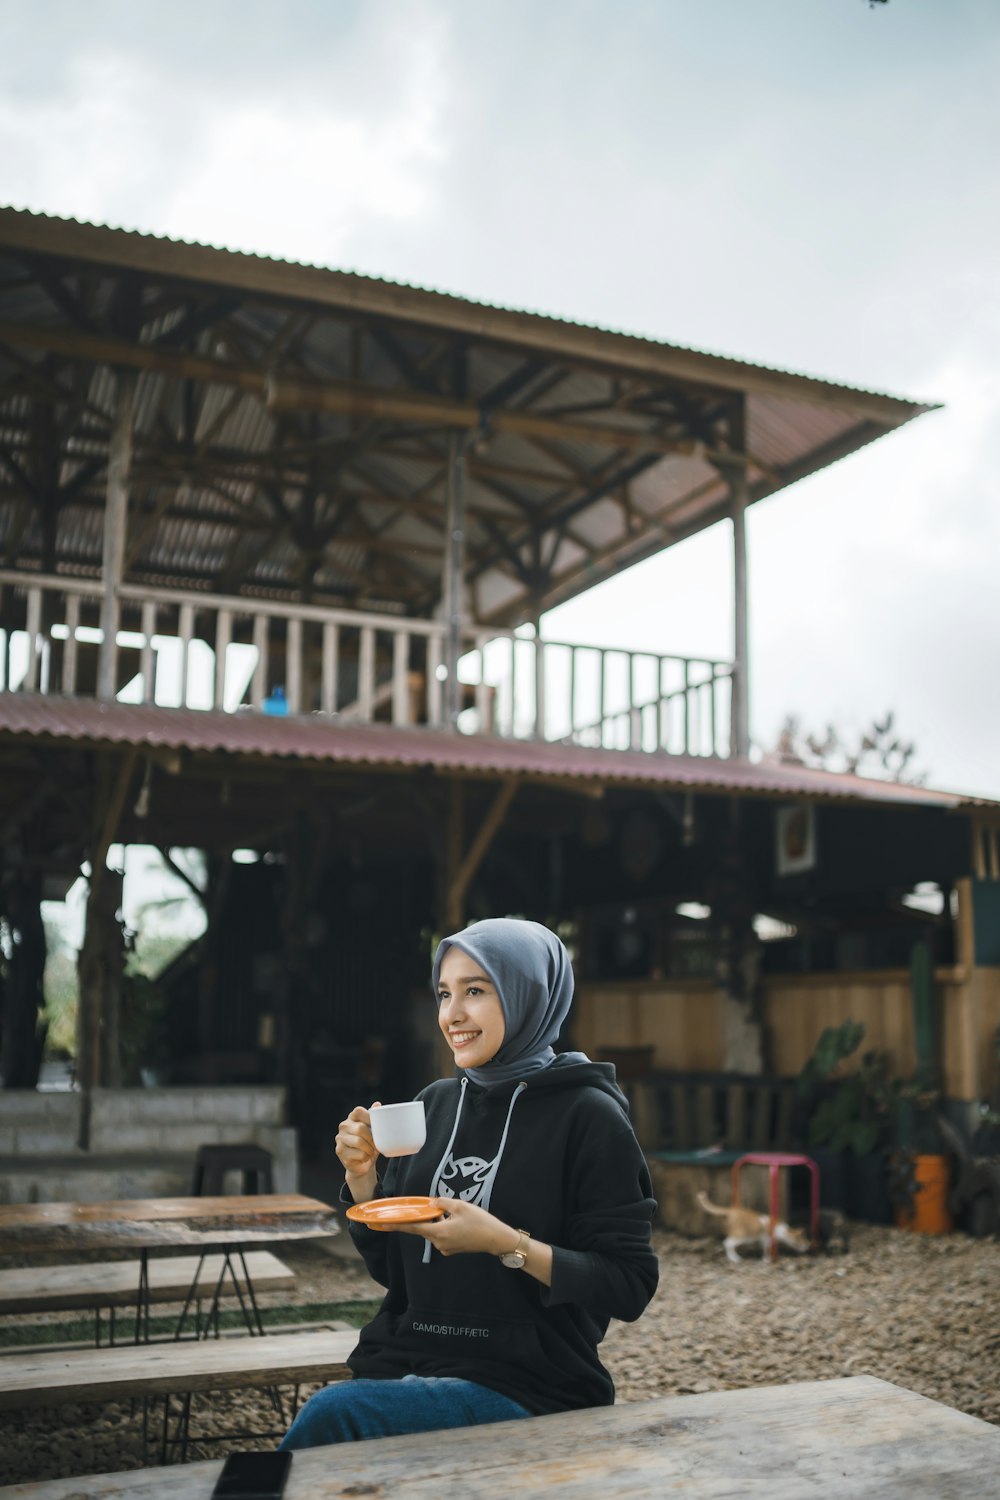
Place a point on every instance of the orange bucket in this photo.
(930, 1213)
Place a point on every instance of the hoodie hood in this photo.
(575, 1070)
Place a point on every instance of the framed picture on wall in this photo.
(795, 841)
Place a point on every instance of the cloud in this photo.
(313, 180)
(873, 586)
(303, 165)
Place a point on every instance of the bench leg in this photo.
(166, 1428)
(182, 1431)
(192, 1294)
(250, 1295)
(251, 1313)
(185, 1425)
(142, 1300)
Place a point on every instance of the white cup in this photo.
(399, 1129)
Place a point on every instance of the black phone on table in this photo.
(253, 1476)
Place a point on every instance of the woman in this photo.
(495, 1311)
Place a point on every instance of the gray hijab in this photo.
(532, 974)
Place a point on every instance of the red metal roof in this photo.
(315, 738)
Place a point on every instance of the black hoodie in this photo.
(570, 1173)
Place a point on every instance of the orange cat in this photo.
(745, 1226)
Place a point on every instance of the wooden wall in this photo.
(798, 1008)
(682, 1021)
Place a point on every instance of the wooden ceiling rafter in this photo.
(49, 279)
(139, 534)
(564, 506)
(414, 575)
(340, 397)
(477, 556)
(539, 517)
(415, 372)
(39, 387)
(200, 316)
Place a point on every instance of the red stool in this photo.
(774, 1161)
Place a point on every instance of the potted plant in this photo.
(847, 1123)
(920, 1166)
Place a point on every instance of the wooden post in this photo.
(484, 837)
(23, 1032)
(460, 869)
(115, 526)
(452, 582)
(93, 1060)
(453, 894)
(740, 724)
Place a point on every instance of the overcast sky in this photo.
(811, 184)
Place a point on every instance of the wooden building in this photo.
(275, 544)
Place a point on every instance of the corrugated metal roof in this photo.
(140, 236)
(318, 739)
(527, 497)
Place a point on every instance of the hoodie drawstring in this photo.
(487, 1191)
(436, 1179)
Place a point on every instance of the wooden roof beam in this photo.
(339, 397)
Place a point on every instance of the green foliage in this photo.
(848, 1112)
(143, 1016)
(864, 1110)
(842, 1121)
(62, 991)
(836, 1043)
(143, 1025)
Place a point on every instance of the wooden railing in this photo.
(216, 652)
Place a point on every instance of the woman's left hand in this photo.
(465, 1229)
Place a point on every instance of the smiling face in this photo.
(469, 1011)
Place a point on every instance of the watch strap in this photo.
(516, 1258)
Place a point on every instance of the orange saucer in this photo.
(389, 1213)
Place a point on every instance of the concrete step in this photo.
(91, 1178)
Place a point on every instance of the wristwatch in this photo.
(516, 1258)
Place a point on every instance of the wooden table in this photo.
(150, 1223)
(854, 1439)
(228, 1224)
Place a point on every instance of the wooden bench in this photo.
(129, 1371)
(29, 1289)
(693, 1126)
(143, 1372)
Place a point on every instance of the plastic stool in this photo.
(774, 1161)
(213, 1162)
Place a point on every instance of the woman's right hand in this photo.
(357, 1154)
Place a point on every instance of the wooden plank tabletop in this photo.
(852, 1439)
(49, 1378)
(143, 1223)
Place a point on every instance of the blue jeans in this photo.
(353, 1410)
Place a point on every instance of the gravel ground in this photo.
(917, 1311)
